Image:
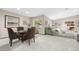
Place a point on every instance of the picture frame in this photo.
(11, 21)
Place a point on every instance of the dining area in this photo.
(21, 34)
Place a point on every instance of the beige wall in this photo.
(41, 30)
(28, 20)
(63, 26)
(3, 30)
(43, 18)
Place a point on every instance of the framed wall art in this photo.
(11, 21)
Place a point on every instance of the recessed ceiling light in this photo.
(66, 8)
(18, 8)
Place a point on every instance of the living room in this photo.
(56, 28)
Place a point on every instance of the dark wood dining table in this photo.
(21, 33)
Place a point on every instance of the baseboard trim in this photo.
(3, 37)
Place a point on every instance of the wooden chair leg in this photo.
(34, 39)
(10, 43)
(29, 42)
(19, 38)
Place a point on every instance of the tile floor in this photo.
(43, 43)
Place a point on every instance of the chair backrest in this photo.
(30, 33)
(20, 28)
(11, 33)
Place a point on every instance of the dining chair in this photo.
(20, 28)
(30, 34)
(12, 35)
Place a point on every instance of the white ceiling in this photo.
(52, 13)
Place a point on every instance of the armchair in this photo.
(30, 34)
(12, 35)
